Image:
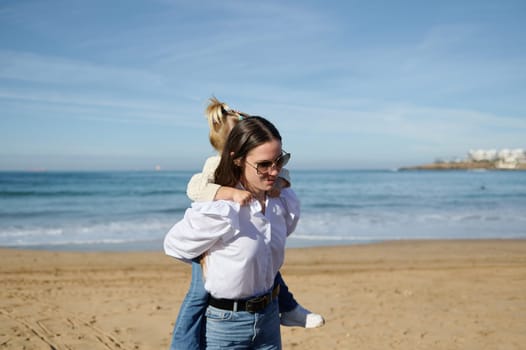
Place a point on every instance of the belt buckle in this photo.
(256, 304)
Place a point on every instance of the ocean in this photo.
(133, 210)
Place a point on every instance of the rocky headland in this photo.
(465, 165)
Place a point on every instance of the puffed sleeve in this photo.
(201, 187)
(292, 207)
(202, 226)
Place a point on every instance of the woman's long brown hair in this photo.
(245, 136)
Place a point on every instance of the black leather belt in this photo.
(252, 305)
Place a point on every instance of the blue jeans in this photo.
(243, 330)
(189, 329)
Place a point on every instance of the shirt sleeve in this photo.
(292, 206)
(201, 187)
(202, 226)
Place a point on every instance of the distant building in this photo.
(481, 155)
(503, 159)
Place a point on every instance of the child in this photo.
(189, 330)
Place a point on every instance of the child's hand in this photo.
(278, 186)
(274, 192)
(242, 197)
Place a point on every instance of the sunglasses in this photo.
(264, 167)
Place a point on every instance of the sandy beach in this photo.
(394, 295)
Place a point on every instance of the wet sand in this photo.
(394, 295)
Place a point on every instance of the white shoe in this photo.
(301, 317)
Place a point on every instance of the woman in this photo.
(244, 245)
(188, 332)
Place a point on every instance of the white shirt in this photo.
(245, 248)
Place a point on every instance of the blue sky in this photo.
(90, 85)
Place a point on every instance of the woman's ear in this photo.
(237, 161)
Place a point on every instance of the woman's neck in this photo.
(259, 195)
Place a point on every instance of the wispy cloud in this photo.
(58, 104)
(31, 67)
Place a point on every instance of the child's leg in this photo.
(189, 327)
(286, 300)
(292, 313)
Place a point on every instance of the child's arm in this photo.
(235, 194)
(201, 187)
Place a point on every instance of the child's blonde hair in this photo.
(218, 114)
